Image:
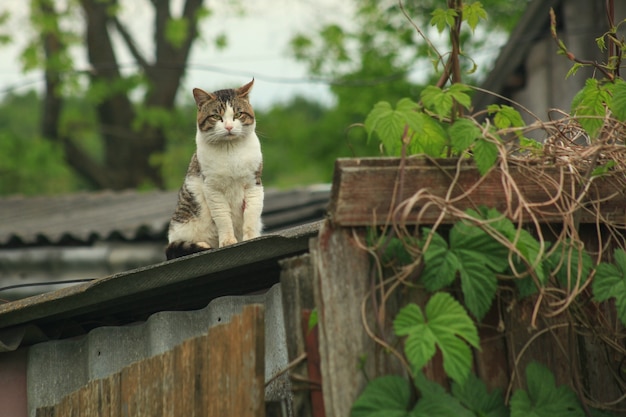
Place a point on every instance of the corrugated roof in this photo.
(56, 368)
(185, 283)
(130, 215)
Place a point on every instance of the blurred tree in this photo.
(370, 59)
(28, 163)
(128, 133)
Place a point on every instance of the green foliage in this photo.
(589, 106)
(474, 396)
(473, 13)
(29, 164)
(617, 103)
(444, 325)
(443, 19)
(463, 133)
(610, 282)
(405, 125)
(543, 398)
(505, 116)
(177, 31)
(441, 101)
(387, 396)
(391, 396)
(472, 254)
(436, 402)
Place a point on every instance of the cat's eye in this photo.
(216, 117)
(238, 115)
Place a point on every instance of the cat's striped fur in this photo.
(221, 199)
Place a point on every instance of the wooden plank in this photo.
(363, 190)
(341, 282)
(313, 364)
(201, 400)
(130, 384)
(169, 389)
(296, 282)
(219, 374)
(236, 366)
(184, 355)
(111, 389)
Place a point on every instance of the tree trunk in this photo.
(127, 151)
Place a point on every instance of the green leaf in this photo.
(505, 116)
(441, 263)
(446, 326)
(543, 398)
(442, 18)
(177, 31)
(475, 256)
(387, 396)
(603, 169)
(473, 394)
(618, 102)
(389, 124)
(440, 101)
(459, 92)
(430, 137)
(485, 155)
(463, 133)
(588, 106)
(436, 402)
(472, 13)
(480, 256)
(610, 282)
(437, 100)
(573, 70)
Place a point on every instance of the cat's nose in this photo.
(228, 127)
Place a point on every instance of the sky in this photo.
(257, 47)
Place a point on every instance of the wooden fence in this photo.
(217, 374)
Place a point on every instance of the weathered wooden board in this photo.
(296, 280)
(364, 190)
(219, 374)
(348, 355)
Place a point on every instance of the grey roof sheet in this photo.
(130, 215)
(185, 283)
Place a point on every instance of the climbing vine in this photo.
(468, 266)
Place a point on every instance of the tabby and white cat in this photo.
(221, 199)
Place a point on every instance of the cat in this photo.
(221, 199)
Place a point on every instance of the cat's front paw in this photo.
(228, 241)
(250, 235)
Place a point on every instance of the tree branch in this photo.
(78, 159)
(130, 44)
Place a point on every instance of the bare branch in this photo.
(130, 44)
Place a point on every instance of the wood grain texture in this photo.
(364, 190)
(219, 374)
(340, 284)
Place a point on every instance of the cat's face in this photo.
(225, 115)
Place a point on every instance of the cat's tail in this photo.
(179, 248)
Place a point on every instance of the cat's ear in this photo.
(202, 96)
(243, 91)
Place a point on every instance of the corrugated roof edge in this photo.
(185, 283)
(84, 218)
(57, 368)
